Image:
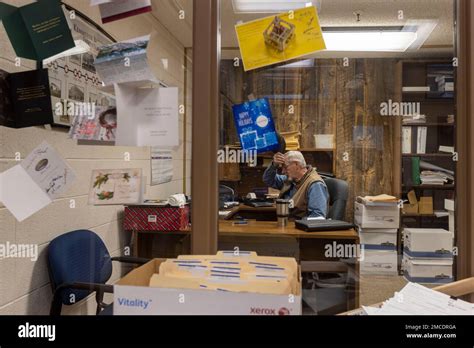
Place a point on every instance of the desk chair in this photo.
(338, 195)
(80, 264)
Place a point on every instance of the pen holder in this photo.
(283, 212)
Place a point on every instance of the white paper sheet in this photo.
(415, 299)
(21, 195)
(161, 166)
(147, 116)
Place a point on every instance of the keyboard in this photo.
(322, 225)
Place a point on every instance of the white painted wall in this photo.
(24, 285)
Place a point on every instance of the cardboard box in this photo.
(426, 205)
(377, 215)
(427, 271)
(133, 296)
(412, 207)
(378, 238)
(428, 243)
(449, 206)
(379, 262)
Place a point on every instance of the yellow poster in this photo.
(276, 39)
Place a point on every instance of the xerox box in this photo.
(376, 215)
(428, 243)
(133, 296)
(379, 262)
(433, 271)
(378, 238)
(155, 218)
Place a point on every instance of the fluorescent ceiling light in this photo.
(306, 63)
(379, 39)
(367, 41)
(270, 6)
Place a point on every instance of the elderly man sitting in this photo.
(298, 182)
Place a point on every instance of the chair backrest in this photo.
(338, 195)
(78, 256)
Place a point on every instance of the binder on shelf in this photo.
(415, 170)
(407, 171)
(421, 140)
(406, 140)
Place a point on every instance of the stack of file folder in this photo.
(246, 273)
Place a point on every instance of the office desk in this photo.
(312, 247)
(252, 213)
(270, 229)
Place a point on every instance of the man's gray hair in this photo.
(296, 156)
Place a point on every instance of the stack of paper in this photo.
(380, 198)
(414, 119)
(415, 299)
(435, 178)
(227, 272)
(291, 140)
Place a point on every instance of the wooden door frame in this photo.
(464, 139)
(205, 127)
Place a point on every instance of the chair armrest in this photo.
(86, 286)
(99, 289)
(131, 259)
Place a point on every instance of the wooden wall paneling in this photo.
(319, 111)
(397, 134)
(345, 114)
(380, 88)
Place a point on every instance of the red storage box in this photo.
(154, 218)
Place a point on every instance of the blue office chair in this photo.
(338, 195)
(80, 264)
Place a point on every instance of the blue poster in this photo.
(255, 126)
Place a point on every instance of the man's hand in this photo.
(279, 159)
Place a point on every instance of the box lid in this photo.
(427, 231)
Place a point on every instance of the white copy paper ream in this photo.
(147, 116)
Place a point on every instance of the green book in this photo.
(37, 31)
(415, 170)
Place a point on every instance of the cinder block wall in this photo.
(24, 285)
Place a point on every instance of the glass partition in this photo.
(373, 114)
